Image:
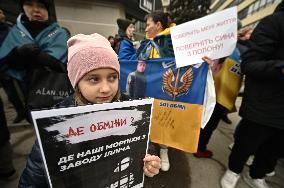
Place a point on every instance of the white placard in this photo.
(214, 36)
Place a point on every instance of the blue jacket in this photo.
(51, 40)
(126, 50)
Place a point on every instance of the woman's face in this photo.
(35, 10)
(99, 85)
(152, 29)
(130, 31)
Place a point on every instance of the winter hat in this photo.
(87, 53)
(45, 2)
(123, 23)
(122, 26)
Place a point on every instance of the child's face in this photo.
(99, 85)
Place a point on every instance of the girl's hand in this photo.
(152, 165)
(208, 60)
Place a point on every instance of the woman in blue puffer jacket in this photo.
(126, 50)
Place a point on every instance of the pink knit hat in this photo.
(87, 53)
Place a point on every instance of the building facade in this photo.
(249, 11)
(90, 16)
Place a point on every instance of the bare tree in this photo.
(186, 10)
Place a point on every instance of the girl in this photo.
(93, 70)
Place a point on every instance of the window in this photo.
(218, 5)
(262, 3)
(234, 3)
(243, 13)
(256, 6)
(250, 9)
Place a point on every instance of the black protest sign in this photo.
(100, 145)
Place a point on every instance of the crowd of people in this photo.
(92, 65)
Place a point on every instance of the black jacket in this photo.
(4, 131)
(34, 174)
(263, 100)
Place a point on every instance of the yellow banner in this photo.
(176, 124)
(227, 84)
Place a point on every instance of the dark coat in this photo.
(263, 100)
(243, 46)
(34, 174)
(136, 83)
(4, 132)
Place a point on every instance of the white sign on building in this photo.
(147, 5)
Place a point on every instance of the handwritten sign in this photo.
(214, 36)
(98, 145)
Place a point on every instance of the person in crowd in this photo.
(9, 83)
(157, 30)
(7, 170)
(261, 130)
(93, 70)
(159, 45)
(35, 41)
(243, 37)
(111, 40)
(4, 26)
(228, 80)
(242, 45)
(136, 82)
(126, 50)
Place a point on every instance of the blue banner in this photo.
(159, 78)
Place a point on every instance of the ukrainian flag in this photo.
(178, 105)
